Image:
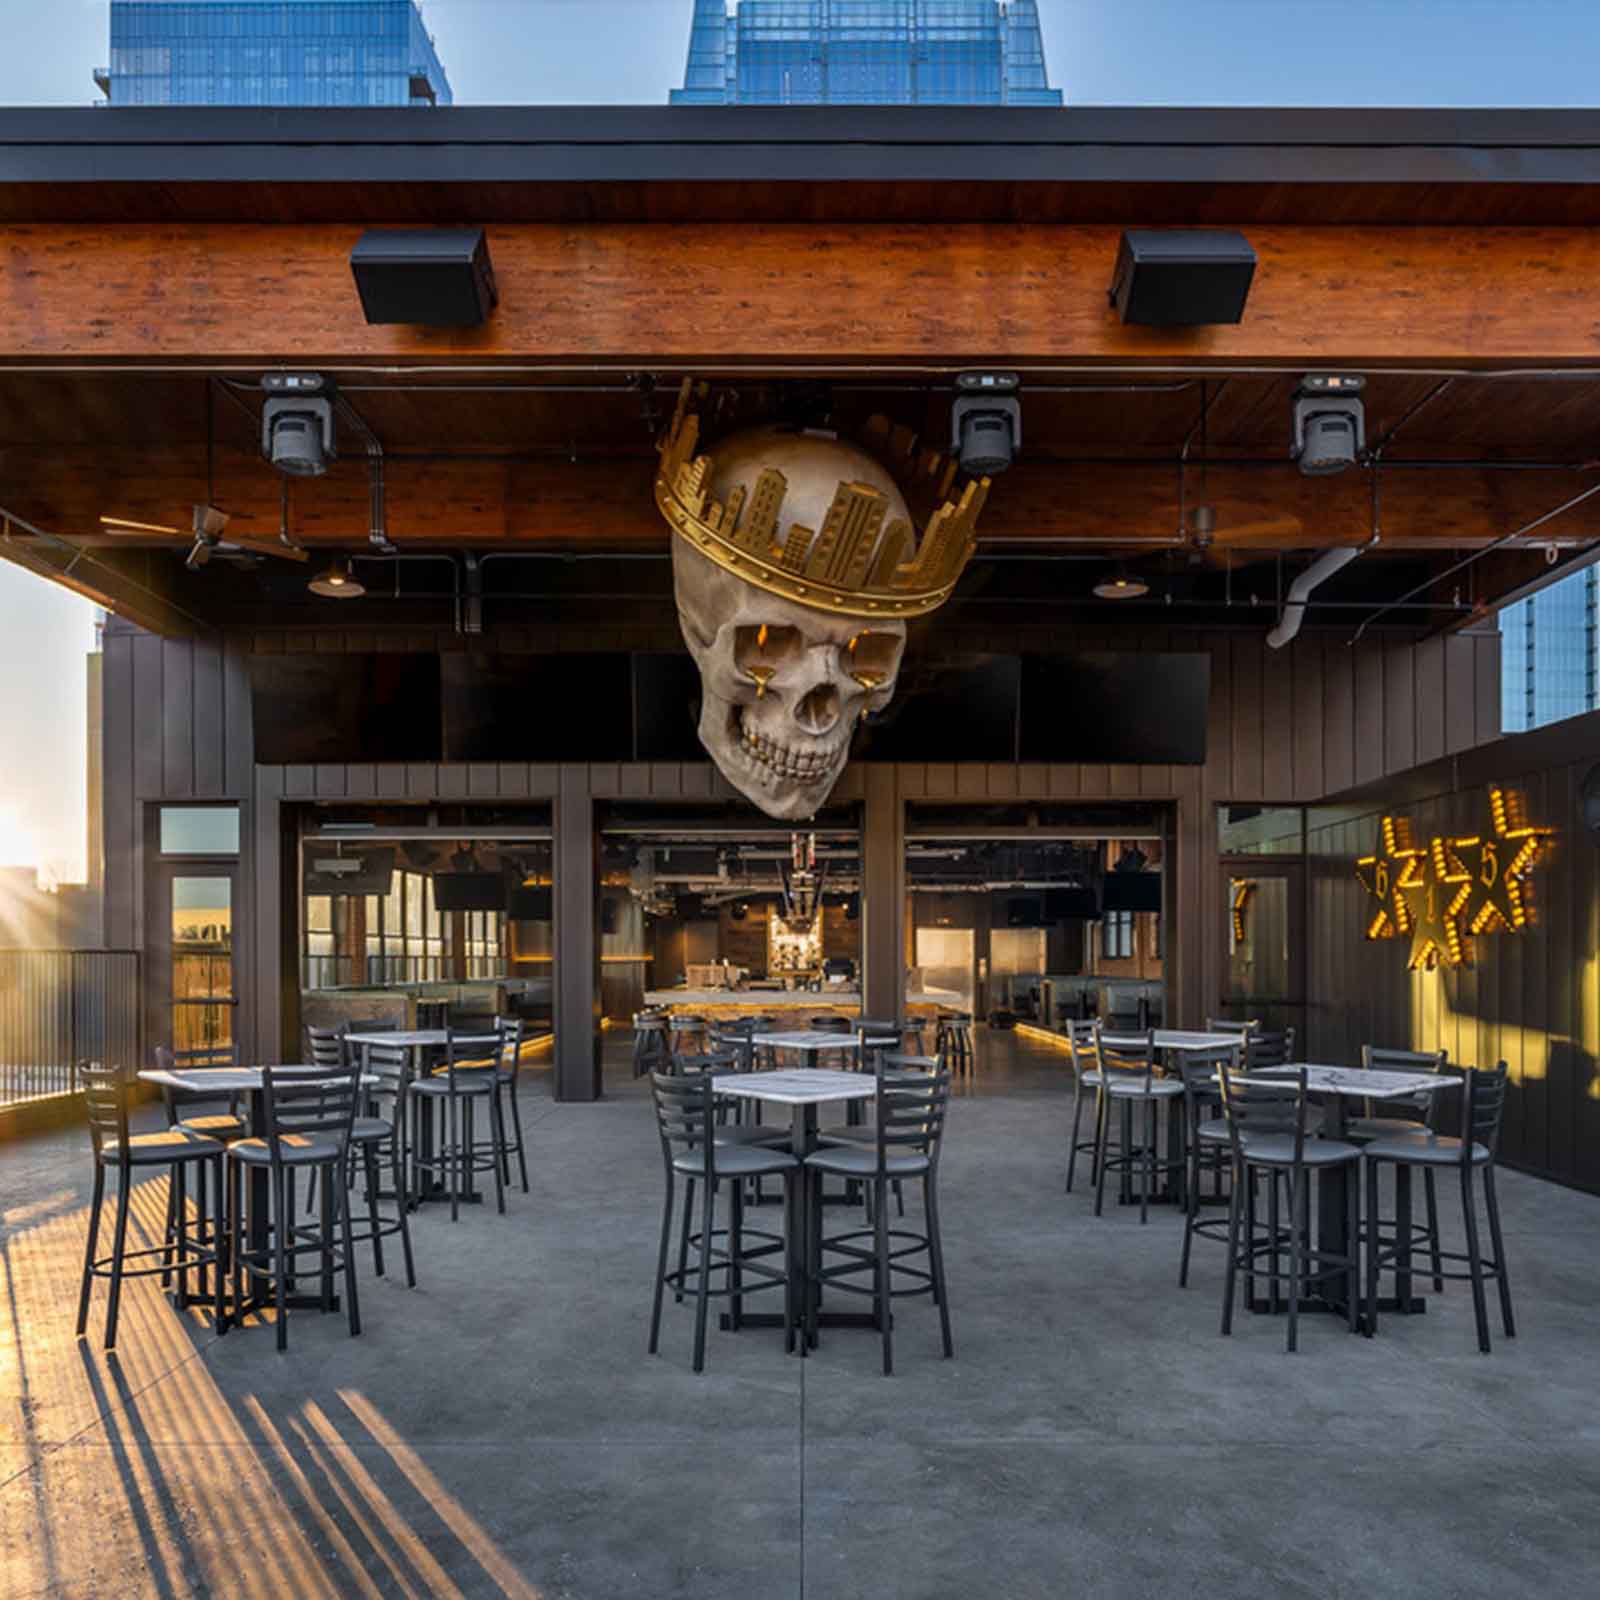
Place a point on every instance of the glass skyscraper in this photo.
(1550, 654)
(866, 52)
(271, 53)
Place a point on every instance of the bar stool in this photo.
(955, 1042)
(690, 1148)
(1130, 1081)
(1266, 1120)
(105, 1095)
(650, 1047)
(505, 1063)
(908, 1129)
(381, 1138)
(1083, 1047)
(459, 1154)
(684, 1030)
(1472, 1150)
(182, 1112)
(830, 1022)
(1414, 1117)
(308, 1124)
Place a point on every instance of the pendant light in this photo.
(338, 582)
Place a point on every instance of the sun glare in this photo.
(19, 846)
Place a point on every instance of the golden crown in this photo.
(854, 564)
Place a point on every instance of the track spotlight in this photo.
(1330, 422)
(986, 421)
(1121, 585)
(339, 582)
(297, 434)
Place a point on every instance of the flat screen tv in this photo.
(340, 870)
(469, 891)
(1132, 891)
(529, 905)
(537, 707)
(1071, 905)
(1117, 709)
(964, 710)
(363, 706)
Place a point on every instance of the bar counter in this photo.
(748, 1002)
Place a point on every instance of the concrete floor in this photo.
(500, 1429)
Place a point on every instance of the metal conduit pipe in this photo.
(1300, 591)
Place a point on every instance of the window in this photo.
(1116, 936)
(199, 830)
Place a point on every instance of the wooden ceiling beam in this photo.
(879, 293)
(607, 504)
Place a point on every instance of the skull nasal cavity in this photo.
(818, 710)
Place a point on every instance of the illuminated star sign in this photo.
(1455, 888)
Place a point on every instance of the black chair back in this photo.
(910, 1114)
(1483, 1103)
(684, 1116)
(175, 1101)
(390, 1064)
(1378, 1058)
(1268, 1048)
(1200, 1071)
(105, 1100)
(735, 1038)
(325, 1047)
(508, 1048)
(299, 1106)
(1130, 1061)
(1228, 1025)
(1083, 1047)
(708, 1064)
(1257, 1105)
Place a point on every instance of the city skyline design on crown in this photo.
(853, 565)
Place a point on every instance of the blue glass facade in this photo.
(272, 53)
(1550, 654)
(866, 52)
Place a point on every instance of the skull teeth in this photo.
(786, 762)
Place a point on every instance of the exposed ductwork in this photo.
(1300, 591)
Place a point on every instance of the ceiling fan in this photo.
(205, 538)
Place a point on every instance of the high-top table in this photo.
(220, 1083)
(1336, 1087)
(417, 1042)
(802, 1089)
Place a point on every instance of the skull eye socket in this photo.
(759, 651)
(871, 658)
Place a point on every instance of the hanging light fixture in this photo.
(1121, 585)
(338, 582)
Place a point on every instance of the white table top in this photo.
(804, 1086)
(418, 1038)
(820, 1040)
(1363, 1085)
(230, 1080)
(1174, 1039)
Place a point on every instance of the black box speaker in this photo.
(1182, 277)
(425, 278)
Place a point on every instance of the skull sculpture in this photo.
(793, 577)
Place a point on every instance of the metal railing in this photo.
(59, 1007)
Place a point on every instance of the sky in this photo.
(1351, 53)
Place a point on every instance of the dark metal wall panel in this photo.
(177, 718)
(1246, 714)
(1430, 702)
(1338, 720)
(1300, 723)
(883, 864)
(577, 995)
(1399, 708)
(1368, 716)
(117, 802)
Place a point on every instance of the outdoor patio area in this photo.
(501, 1430)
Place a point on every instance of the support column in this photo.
(577, 944)
(883, 887)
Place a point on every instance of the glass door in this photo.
(1263, 904)
(202, 990)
